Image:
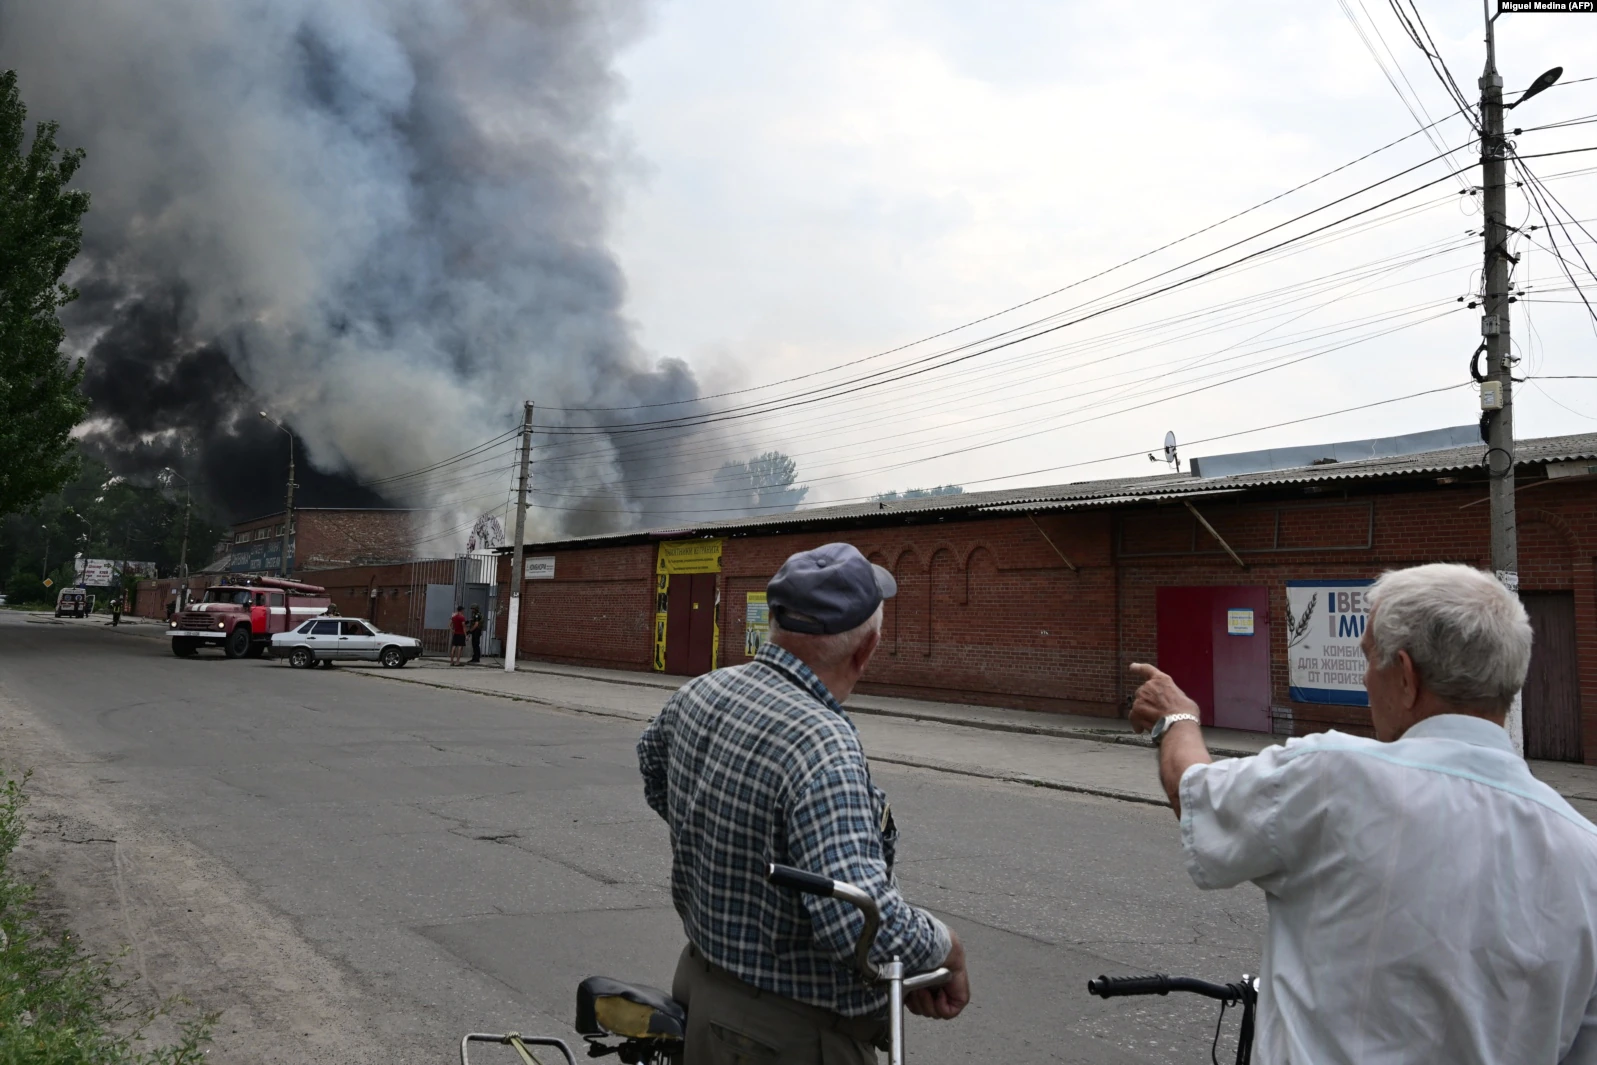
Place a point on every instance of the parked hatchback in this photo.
(343, 639)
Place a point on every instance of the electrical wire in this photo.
(1081, 463)
(804, 399)
(1036, 299)
(1217, 316)
(1427, 124)
(1433, 55)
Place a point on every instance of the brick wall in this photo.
(597, 611)
(986, 611)
(329, 539)
(989, 612)
(151, 597)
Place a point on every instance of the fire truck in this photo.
(240, 614)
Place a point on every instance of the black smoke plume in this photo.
(384, 223)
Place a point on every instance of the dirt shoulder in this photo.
(189, 926)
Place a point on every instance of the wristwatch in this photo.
(1162, 726)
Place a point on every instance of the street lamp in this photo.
(183, 555)
(288, 506)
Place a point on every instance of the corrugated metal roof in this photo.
(1121, 491)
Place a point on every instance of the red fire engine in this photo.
(240, 614)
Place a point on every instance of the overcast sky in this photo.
(816, 182)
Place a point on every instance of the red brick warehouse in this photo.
(1040, 598)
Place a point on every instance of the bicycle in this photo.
(1244, 992)
(651, 1027)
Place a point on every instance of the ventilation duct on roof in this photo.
(1288, 458)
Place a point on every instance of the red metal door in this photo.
(678, 624)
(701, 624)
(1552, 690)
(1186, 644)
(1240, 621)
(1222, 666)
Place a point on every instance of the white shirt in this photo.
(1429, 899)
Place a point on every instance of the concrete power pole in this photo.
(517, 578)
(183, 554)
(1497, 401)
(288, 508)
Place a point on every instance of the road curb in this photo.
(489, 692)
(958, 769)
(964, 770)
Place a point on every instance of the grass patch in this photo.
(59, 1004)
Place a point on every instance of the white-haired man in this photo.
(1429, 899)
(759, 764)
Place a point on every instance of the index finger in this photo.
(1145, 671)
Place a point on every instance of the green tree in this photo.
(763, 484)
(41, 230)
(919, 493)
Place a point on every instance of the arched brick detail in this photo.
(981, 554)
(911, 606)
(970, 558)
(943, 582)
(1548, 550)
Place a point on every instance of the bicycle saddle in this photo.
(632, 1011)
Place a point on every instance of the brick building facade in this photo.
(326, 538)
(1041, 599)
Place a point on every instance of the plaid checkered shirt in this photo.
(758, 763)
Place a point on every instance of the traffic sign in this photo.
(49, 583)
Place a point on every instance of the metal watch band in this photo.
(1165, 722)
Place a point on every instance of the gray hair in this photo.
(1467, 634)
(826, 649)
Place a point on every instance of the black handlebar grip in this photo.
(797, 879)
(1114, 986)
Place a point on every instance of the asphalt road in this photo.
(460, 862)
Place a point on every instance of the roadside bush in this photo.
(24, 587)
(60, 1005)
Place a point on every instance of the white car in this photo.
(327, 639)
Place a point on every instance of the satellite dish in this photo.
(1169, 451)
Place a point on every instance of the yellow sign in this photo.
(661, 583)
(689, 556)
(49, 583)
(756, 623)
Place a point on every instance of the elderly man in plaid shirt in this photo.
(758, 764)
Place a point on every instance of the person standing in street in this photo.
(1429, 899)
(759, 764)
(457, 636)
(474, 630)
(116, 611)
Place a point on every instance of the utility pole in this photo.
(513, 623)
(1497, 386)
(288, 507)
(183, 552)
(288, 504)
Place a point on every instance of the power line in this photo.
(1358, 28)
(1084, 462)
(1046, 295)
(859, 384)
(1432, 54)
(442, 462)
(1214, 316)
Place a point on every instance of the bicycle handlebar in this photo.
(1117, 986)
(799, 880)
(815, 884)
